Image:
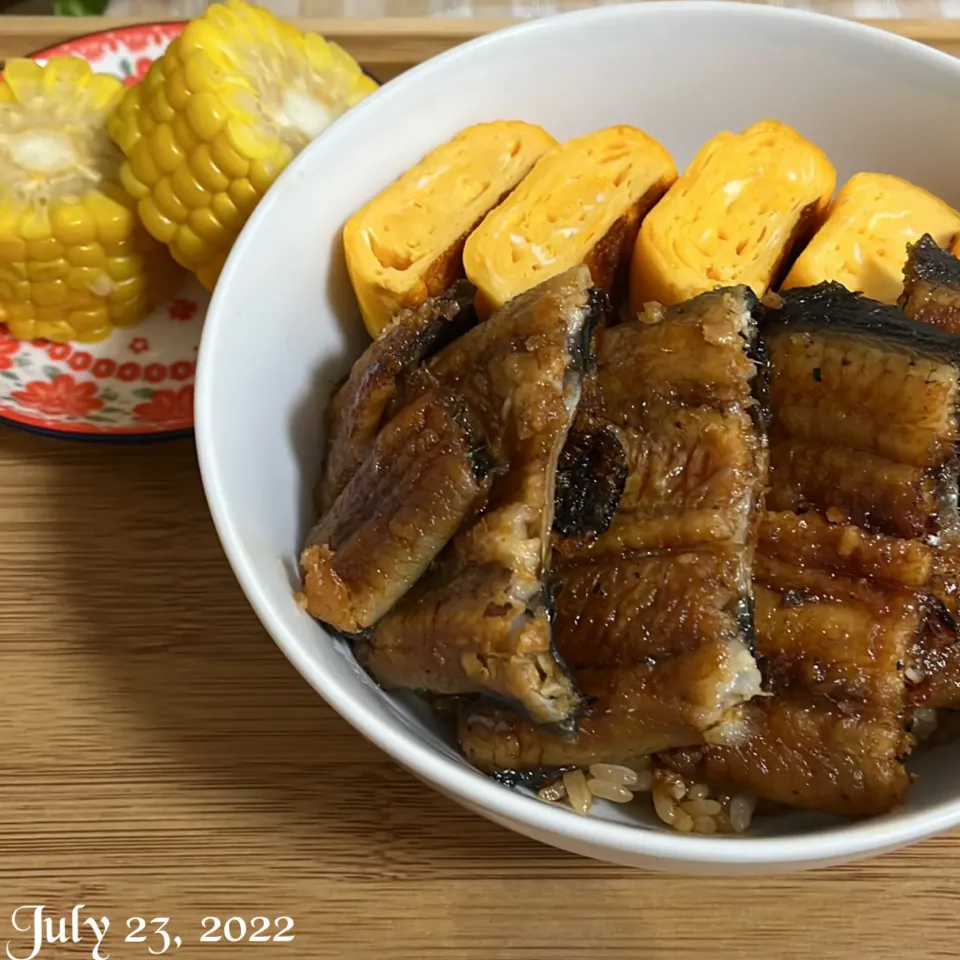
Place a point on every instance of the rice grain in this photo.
(578, 794)
(683, 822)
(741, 811)
(644, 781)
(552, 792)
(614, 773)
(608, 790)
(701, 808)
(664, 806)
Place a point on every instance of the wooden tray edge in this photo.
(396, 44)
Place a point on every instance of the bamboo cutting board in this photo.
(159, 758)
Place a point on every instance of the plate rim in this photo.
(79, 430)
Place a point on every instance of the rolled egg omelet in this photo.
(581, 203)
(406, 244)
(733, 217)
(863, 243)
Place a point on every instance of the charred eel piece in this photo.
(653, 616)
(479, 623)
(931, 285)
(863, 431)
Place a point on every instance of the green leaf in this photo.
(52, 372)
(21, 361)
(9, 375)
(108, 393)
(144, 393)
(125, 67)
(97, 418)
(110, 409)
(79, 8)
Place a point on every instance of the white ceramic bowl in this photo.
(283, 327)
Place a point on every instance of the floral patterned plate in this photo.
(138, 383)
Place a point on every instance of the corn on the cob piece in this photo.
(863, 243)
(406, 244)
(734, 216)
(581, 203)
(74, 262)
(218, 117)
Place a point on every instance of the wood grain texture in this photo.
(160, 757)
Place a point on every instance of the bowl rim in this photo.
(846, 841)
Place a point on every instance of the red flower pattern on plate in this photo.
(59, 351)
(155, 372)
(62, 397)
(81, 360)
(182, 310)
(182, 370)
(166, 406)
(139, 345)
(8, 347)
(128, 372)
(104, 367)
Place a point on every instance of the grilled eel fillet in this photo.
(931, 285)
(653, 614)
(834, 645)
(398, 477)
(844, 605)
(479, 622)
(362, 404)
(885, 459)
(931, 294)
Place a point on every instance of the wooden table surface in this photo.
(160, 758)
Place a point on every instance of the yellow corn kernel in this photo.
(176, 88)
(86, 255)
(225, 210)
(143, 165)
(188, 191)
(208, 174)
(156, 223)
(191, 248)
(205, 224)
(244, 195)
(48, 293)
(35, 224)
(84, 279)
(127, 290)
(132, 185)
(23, 77)
(72, 225)
(217, 119)
(170, 205)
(206, 115)
(227, 159)
(184, 134)
(39, 270)
(123, 268)
(44, 250)
(165, 149)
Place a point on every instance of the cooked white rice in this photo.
(687, 807)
